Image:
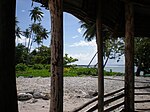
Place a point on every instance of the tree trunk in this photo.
(106, 62)
(138, 71)
(129, 57)
(8, 93)
(99, 41)
(56, 104)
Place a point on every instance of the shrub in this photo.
(47, 66)
(66, 69)
(21, 67)
(71, 72)
(86, 71)
(38, 66)
(106, 73)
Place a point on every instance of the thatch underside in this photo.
(113, 14)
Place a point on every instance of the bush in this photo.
(38, 66)
(106, 73)
(21, 67)
(47, 66)
(86, 71)
(66, 69)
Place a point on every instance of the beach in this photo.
(77, 91)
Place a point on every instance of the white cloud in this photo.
(76, 36)
(22, 40)
(84, 43)
(85, 55)
(79, 30)
(84, 58)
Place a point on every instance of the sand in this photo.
(77, 91)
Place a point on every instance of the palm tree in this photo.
(35, 30)
(90, 30)
(36, 27)
(38, 40)
(39, 33)
(44, 34)
(31, 34)
(113, 47)
(36, 14)
(27, 34)
(18, 32)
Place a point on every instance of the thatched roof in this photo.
(113, 13)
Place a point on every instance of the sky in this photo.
(74, 43)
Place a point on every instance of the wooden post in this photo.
(99, 40)
(8, 92)
(129, 57)
(56, 10)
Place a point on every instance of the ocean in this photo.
(118, 68)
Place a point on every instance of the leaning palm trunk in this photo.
(28, 51)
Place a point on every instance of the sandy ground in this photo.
(77, 91)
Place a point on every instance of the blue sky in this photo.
(74, 43)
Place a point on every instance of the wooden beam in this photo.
(142, 94)
(114, 99)
(99, 41)
(8, 92)
(56, 10)
(112, 108)
(142, 101)
(144, 87)
(95, 99)
(129, 57)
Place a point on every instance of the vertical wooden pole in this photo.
(56, 10)
(99, 40)
(8, 93)
(129, 57)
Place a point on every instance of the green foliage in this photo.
(21, 67)
(33, 73)
(90, 30)
(142, 51)
(73, 72)
(17, 29)
(113, 47)
(86, 71)
(38, 66)
(106, 73)
(142, 55)
(68, 72)
(36, 14)
(35, 33)
(47, 66)
(21, 53)
(68, 60)
(41, 55)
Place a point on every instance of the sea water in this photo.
(117, 68)
(120, 69)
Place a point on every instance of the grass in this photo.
(68, 72)
(33, 73)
